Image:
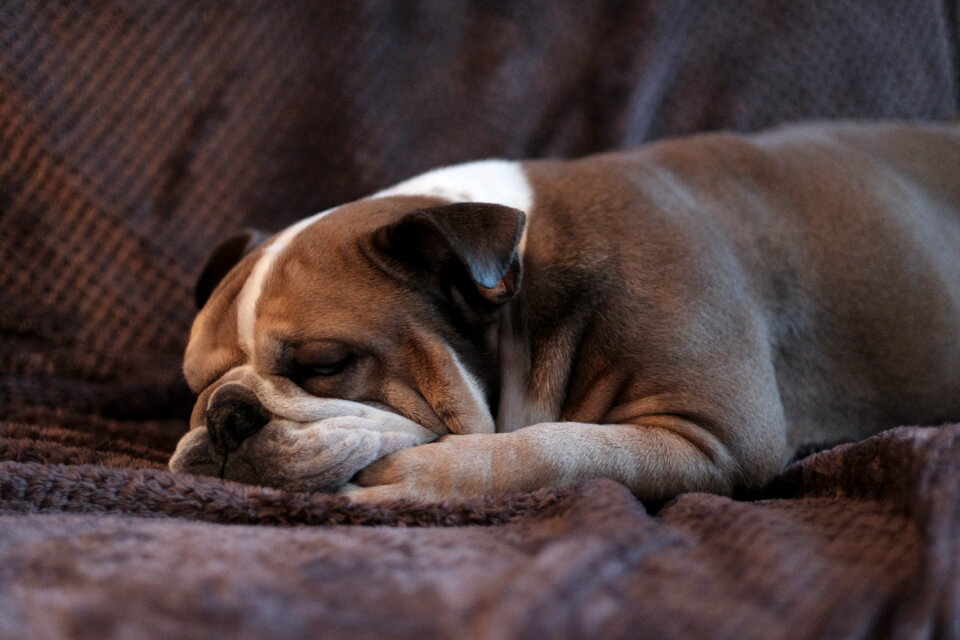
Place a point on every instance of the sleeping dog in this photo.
(680, 317)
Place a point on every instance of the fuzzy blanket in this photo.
(134, 135)
(859, 541)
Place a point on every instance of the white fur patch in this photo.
(253, 287)
(500, 182)
(477, 415)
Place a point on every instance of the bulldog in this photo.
(681, 317)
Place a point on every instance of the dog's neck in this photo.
(527, 394)
(514, 410)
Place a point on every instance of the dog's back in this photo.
(843, 239)
(869, 333)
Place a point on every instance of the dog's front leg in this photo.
(656, 458)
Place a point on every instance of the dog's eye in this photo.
(303, 373)
(318, 359)
(327, 370)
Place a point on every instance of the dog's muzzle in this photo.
(266, 430)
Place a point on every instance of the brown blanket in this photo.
(859, 541)
(134, 135)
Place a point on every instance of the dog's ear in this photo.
(224, 258)
(470, 246)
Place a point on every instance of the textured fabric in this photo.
(859, 541)
(134, 135)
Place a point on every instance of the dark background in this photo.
(135, 135)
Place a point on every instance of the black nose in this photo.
(234, 414)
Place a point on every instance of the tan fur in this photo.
(321, 297)
(691, 313)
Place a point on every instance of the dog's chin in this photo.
(297, 456)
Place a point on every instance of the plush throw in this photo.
(135, 135)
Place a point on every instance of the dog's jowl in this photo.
(681, 317)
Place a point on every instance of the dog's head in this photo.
(351, 334)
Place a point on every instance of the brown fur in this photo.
(691, 313)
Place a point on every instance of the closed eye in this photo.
(304, 372)
(318, 361)
(327, 370)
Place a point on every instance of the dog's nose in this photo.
(234, 414)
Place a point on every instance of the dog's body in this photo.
(691, 313)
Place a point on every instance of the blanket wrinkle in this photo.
(136, 136)
(935, 508)
(590, 557)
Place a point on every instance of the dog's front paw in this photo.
(451, 468)
(324, 455)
